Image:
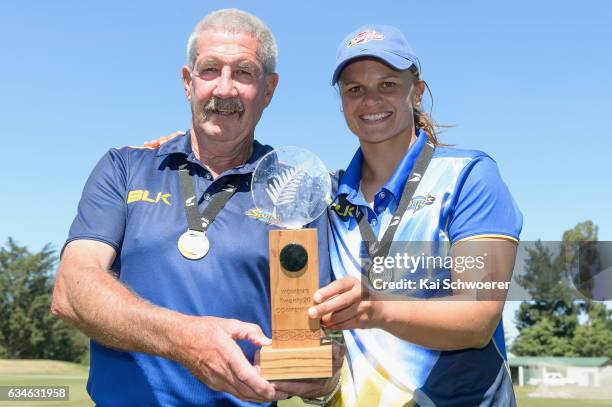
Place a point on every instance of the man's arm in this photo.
(88, 296)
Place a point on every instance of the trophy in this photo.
(291, 187)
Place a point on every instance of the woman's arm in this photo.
(449, 323)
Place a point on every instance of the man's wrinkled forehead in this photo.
(228, 47)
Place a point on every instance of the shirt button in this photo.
(382, 195)
(379, 209)
(207, 196)
(373, 222)
(208, 176)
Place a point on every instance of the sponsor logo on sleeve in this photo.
(143, 195)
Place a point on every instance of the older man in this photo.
(173, 305)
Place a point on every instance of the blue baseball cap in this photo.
(384, 42)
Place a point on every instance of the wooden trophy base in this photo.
(297, 350)
(296, 363)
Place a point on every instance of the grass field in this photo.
(54, 373)
(46, 373)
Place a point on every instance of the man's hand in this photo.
(158, 142)
(210, 352)
(312, 388)
(91, 298)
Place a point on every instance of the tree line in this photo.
(27, 328)
(555, 323)
(552, 324)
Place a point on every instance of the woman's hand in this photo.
(345, 304)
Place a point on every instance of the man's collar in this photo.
(351, 179)
(182, 145)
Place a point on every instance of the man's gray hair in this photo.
(236, 21)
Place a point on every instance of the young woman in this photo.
(432, 351)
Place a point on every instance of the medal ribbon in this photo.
(381, 248)
(201, 221)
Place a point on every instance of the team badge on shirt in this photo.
(418, 202)
(365, 36)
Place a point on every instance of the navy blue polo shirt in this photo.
(132, 202)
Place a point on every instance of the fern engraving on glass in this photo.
(284, 187)
(291, 186)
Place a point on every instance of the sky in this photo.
(528, 82)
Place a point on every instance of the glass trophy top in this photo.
(291, 187)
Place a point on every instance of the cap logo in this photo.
(363, 37)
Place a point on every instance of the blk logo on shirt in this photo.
(143, 195)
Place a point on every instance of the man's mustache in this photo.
(218, 105)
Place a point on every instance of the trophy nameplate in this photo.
(292, 186)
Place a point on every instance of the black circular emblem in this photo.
(293, 257)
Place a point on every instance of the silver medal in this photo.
(193, 244)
